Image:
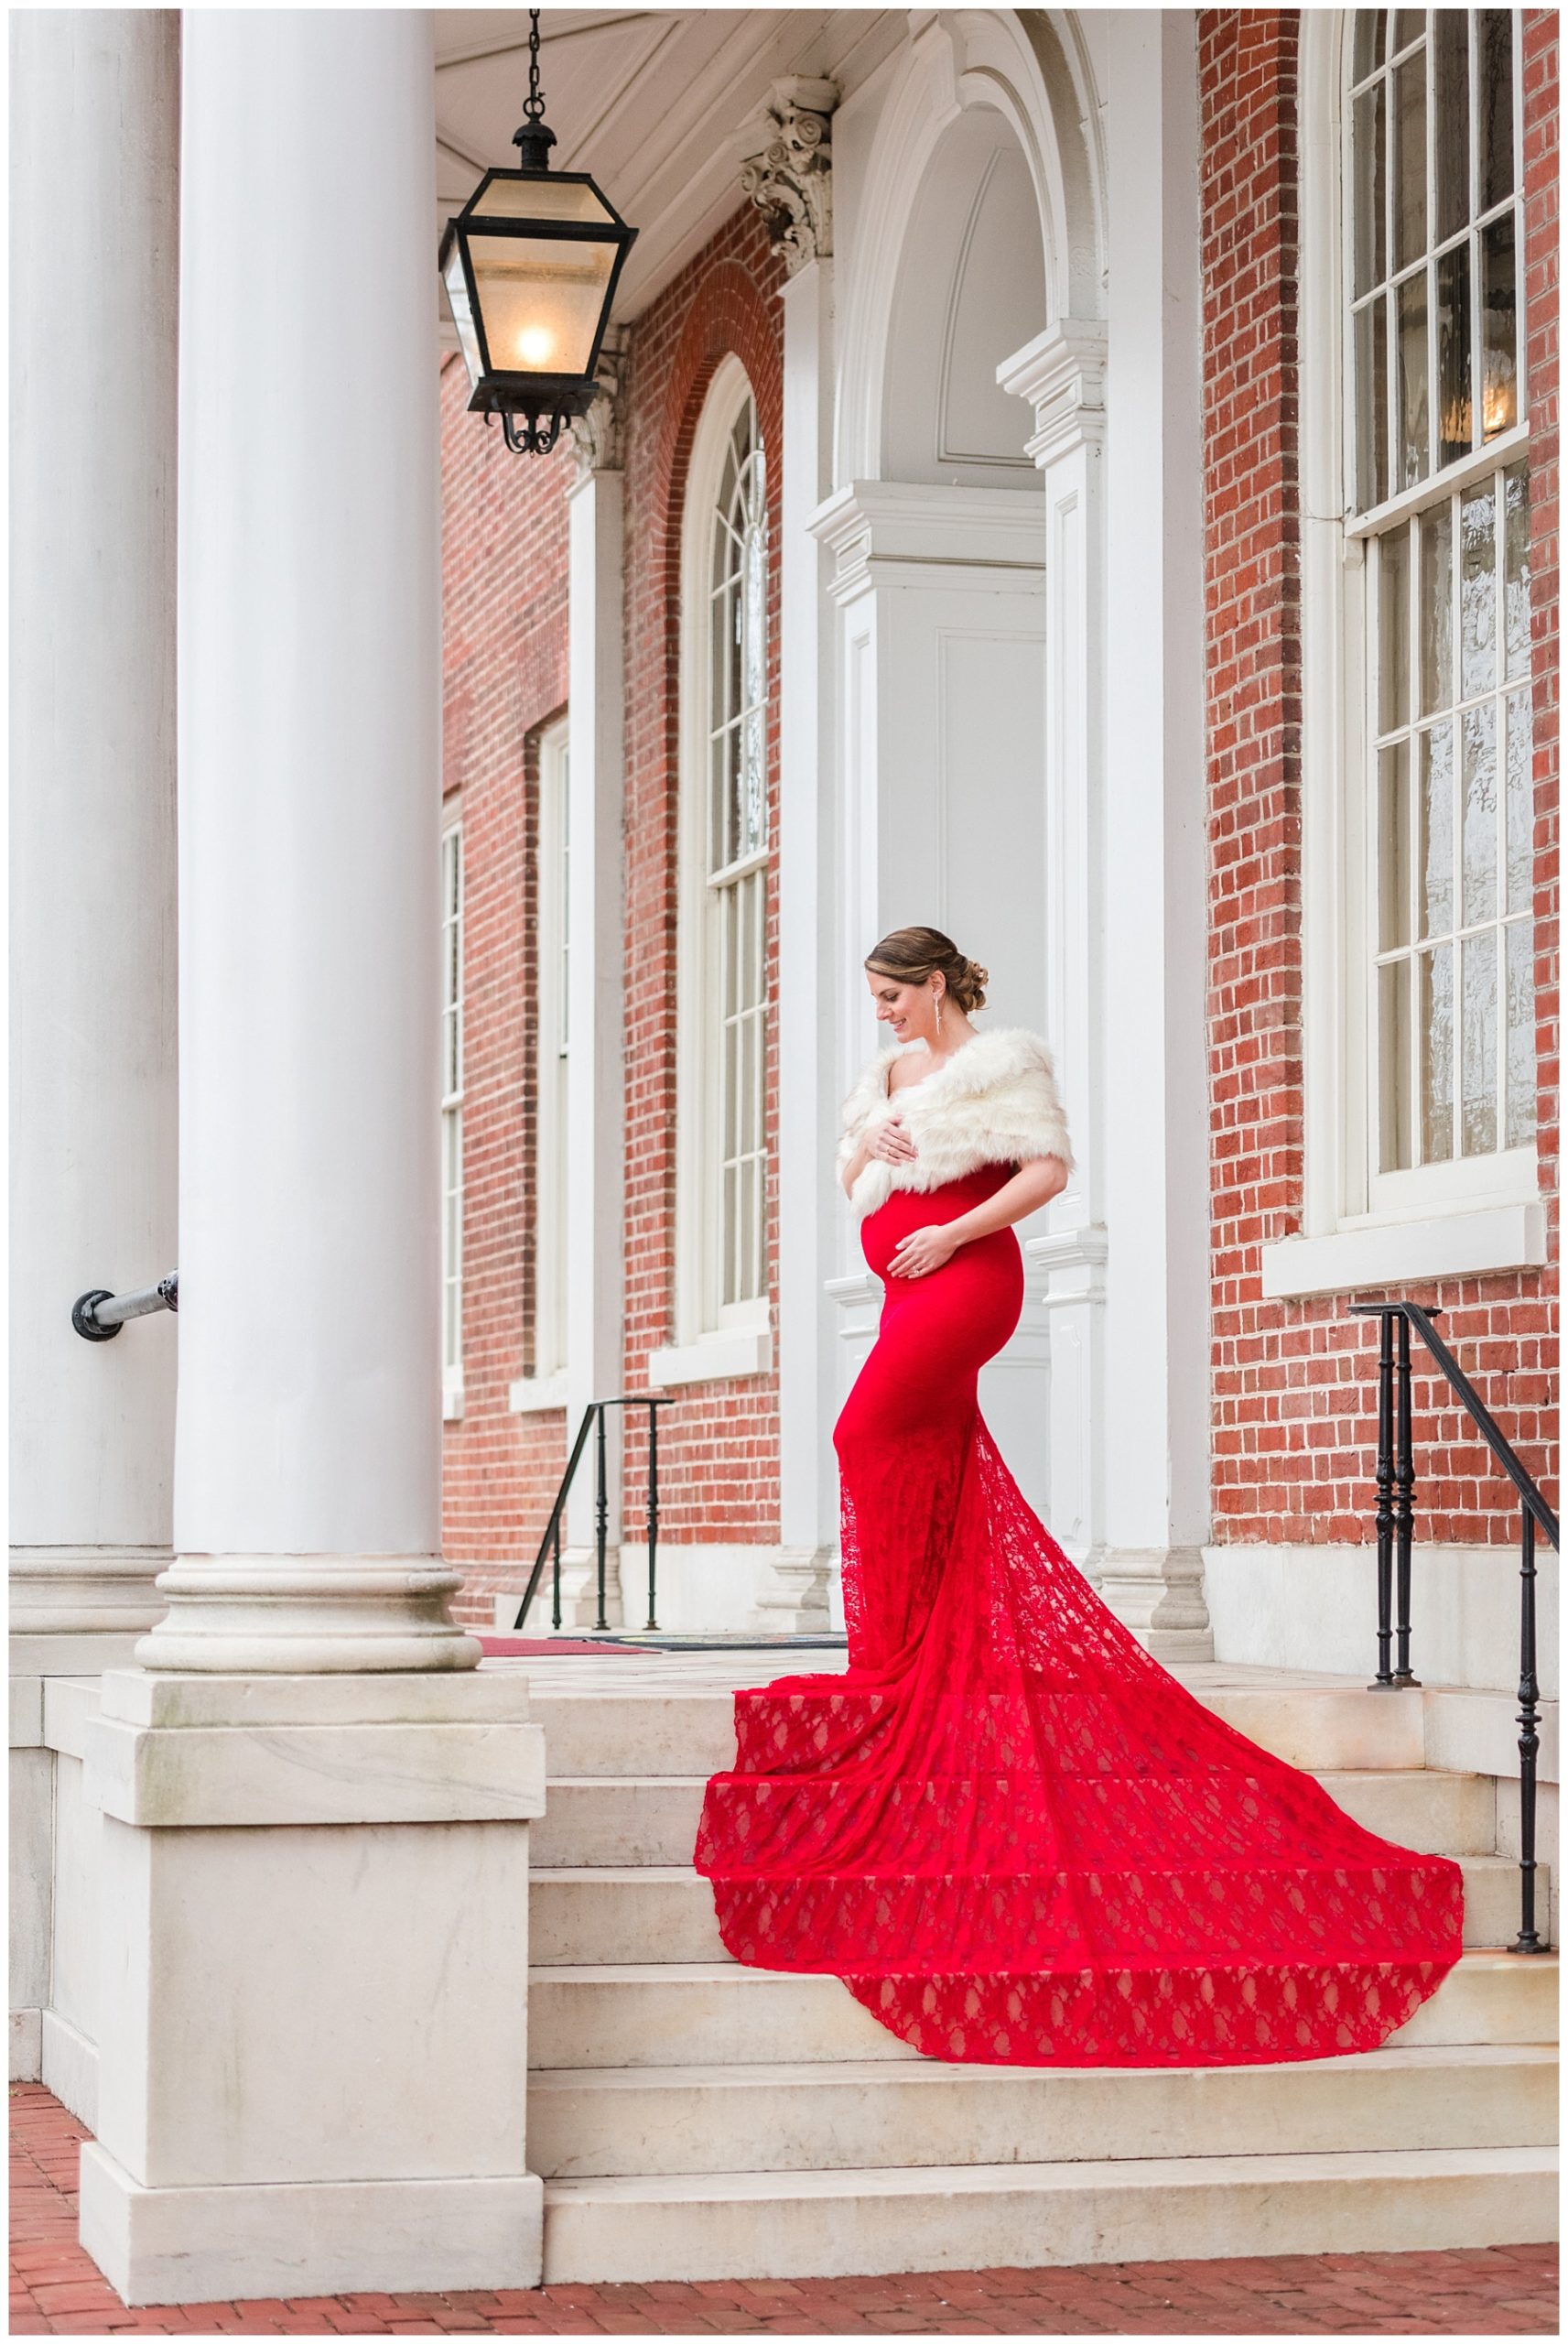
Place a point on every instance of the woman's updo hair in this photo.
(912, 955)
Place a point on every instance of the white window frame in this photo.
(451, 1114)
(712, 1339)
(545, 1387)
(1472, 1214)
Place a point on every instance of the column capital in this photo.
(786, 167)
(598, 437)
(1061, 375)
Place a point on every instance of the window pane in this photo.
(1371, 245)
(1369, 27)
(1499, 328)
(1516, 570)
(1371, 404)
(1409, 25)
(1394, 1065)
(1453, 281)
(1411, 297)
(1477, 590)
(1520, 807)
(1478, 848)
(1493, 105)
(1520, 1032)
(1450, 119)
(1478, 1107)
(1435, 1014)
(1437, 608)
(1435, 905)
(1409, 159)
(1393, 646)
(1393, 845)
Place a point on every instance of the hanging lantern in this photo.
(530, 267)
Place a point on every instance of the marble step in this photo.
(671, 2014)
(665, 1912)
(864, 2113)
(685, 1733)
(844, 2222)
(652, 1818)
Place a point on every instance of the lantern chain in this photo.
(534, 105)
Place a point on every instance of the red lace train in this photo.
(1015, 1836)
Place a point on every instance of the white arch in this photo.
(1038, 78)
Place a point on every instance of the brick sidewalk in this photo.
(1493, 2291)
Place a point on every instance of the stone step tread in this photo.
(1063, 2174)
(1474, 1959)
(865, 2220)
(857, 2075)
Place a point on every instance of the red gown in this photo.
(1015, 1836)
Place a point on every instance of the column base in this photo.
(317, 2238)
(70, 1603)
(1157, 1592)
(307, 1615)
(793, 1598)
(580, 1592)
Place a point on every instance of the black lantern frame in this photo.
(533, 407)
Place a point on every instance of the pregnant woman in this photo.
(1013, 1835)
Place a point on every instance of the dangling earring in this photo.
(939, 1000)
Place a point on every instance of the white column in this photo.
(94, 217)
(307, 1516)
(595, 1072)
(93, 1089)
(1061, 374)
(794, 1596)
(1152, 1071)
(312, 1817)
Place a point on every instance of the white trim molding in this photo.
(1391, 1253)
(533, 1395)
(714, 1358)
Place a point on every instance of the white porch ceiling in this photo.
(646, 99)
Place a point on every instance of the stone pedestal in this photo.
(314, 1990)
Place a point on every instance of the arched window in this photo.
(1417, 725)
(721, 1267)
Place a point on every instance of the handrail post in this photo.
(601, 1518)
(1384, 1679)
(653, 1511)
(556, 1580)
(1404, 1490)
(1527, 1940)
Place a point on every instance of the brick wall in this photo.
(1294, 1388)
(504, 631)
(718, 1444)
(505, 663)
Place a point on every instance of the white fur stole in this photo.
(994, 1101)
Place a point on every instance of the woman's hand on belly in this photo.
(923, 1250)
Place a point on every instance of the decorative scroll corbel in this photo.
(598, 437)
(786, 168)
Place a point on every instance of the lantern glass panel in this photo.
(541, 299)
(533, 196)
(456, 284)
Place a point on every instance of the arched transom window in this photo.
(1437, 490)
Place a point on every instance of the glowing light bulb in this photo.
(535, 344)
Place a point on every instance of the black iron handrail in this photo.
(98, 1315)
(551, 1541)
(1396, 1491)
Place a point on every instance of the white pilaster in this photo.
(1061, 374)
(595, 1232)
(93, 1074)
(306, 1517)
(1152, 1073)
(808, 975)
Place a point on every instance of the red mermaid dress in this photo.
(1015, 1835)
